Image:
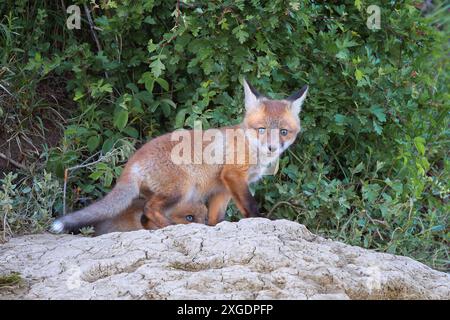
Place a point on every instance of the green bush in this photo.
(27, 206)
(370, 167)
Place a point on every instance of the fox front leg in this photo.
(237, 184)
(217, 205)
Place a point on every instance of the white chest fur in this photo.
(266, 166)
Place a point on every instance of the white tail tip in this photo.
(57, 227)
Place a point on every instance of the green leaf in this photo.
(145, 97)
(136, 105)
(169, 102)
(376, 126)
(132, 132)
(93, 142)
(165, 109)
(78, 95)
(59, 169)
(397, 187)
(121, 119)
(102, 166)
(108, 179)
(107, 145)
(26, 190)
(358, 4)
(340, 119)
(163, 83)
(150, 20)
(132, 87)
(343, 54)
(157, 67)
(419, 142)
(359, 74)
(96, 175)
(151, 46)
(378, 112)
(180, 118)
(358, 168)
(148, 80)
(371, 192)
(437, 228)
(240, 34)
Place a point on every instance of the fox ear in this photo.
(251, 96)
(297, 99)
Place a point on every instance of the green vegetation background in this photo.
(370, 168)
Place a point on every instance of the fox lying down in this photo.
(269, 127)
(132, 219)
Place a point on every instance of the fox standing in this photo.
(269, 127)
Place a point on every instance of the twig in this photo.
(100, 159)
(4, 227)
(84, 164)
(374, 221)
(94, 34)
(177, 24)
(190, 5)
(4, 88)
(63, 6)
(13, 162)
(92, 27)
(66, 175)
(7, 232)
(279, 204)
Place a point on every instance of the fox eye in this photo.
(190, 218)
(261, 130)
(283, 132)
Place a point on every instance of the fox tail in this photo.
(119, 199)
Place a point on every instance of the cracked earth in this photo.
(251, 259)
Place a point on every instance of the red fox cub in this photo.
(132, 219)
(211, 166)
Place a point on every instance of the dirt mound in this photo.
(251, 259)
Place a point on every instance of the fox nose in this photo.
(272, 148)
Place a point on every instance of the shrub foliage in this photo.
(370, 167)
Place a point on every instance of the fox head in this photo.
(180, 213)
(272, 125)
(184, 213)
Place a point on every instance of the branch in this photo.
(92, 27)
(177, 23)
(190, 5)
(4, 88)
(64, 6)
(83, 165)
(5, 225)
(13, 162)
(279, 204)
(94, 35)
